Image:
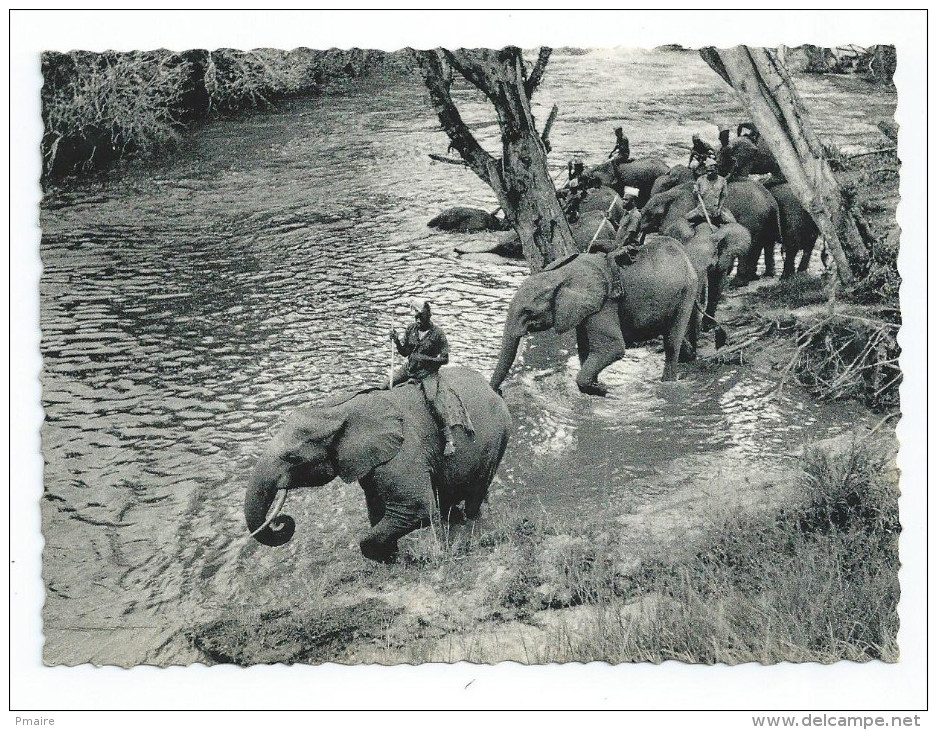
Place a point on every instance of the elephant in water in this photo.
(467, 220)
(713, 254)
(389, 442)
(658, 288)
(750, 203)
(640, 174)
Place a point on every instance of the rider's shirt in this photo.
(431, 343)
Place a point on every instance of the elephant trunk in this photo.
(273, 530)
(509, 345)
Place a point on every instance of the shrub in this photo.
(100, 106)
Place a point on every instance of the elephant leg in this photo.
(375, 506)
(769, 259)
(690, 342)
(789, 254)
(673, 339)
(482, 483)
(606, 345)
(582, 343)
(410, 510)
(715, 277)
(805, 256)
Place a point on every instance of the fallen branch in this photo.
(872, 152)
(838, 360)
(448, 160)
(738, 347)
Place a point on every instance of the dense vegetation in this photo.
(100, 107)
(849, 348)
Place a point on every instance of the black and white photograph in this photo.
(585, 350)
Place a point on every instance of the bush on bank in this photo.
(100, 107)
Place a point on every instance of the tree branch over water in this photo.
(520, 178)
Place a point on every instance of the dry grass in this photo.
(816, 580)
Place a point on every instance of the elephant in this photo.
(592, 226)
(640, 174)
(713, 253)
(467, 220)
(799, 232)
(658, 287)
(742, 157)
(605, 200)
(389, 442)
(750, 203)
(676, 175)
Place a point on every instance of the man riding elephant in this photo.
(630, 225)
(711, 193)
(426, 349)
(622, 150)
(572, 195)
(699, 153)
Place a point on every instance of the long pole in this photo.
(705, 212)
(390, 372)
(605, 220)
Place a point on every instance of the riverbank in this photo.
(802, 570)
(98, 108)
(793, 564)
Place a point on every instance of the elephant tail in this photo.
(775, 230)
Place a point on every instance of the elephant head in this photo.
(348, 440)
(603, 175)
(561, 296)
(677, 175)
(742, 157)
(656, 210)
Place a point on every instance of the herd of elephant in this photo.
(389, 442)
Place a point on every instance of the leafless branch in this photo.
(536, 73)
(437, 78)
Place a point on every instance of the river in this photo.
(187, 305)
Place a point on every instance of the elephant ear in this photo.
(581, 293)
(372, 435)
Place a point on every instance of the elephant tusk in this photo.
(277, 506)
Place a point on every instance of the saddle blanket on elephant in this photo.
(446, 401)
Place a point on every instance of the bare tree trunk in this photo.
(520, 178)
(768, 95)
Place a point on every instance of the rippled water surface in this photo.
(187, 306)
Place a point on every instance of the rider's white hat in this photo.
(633, 192)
